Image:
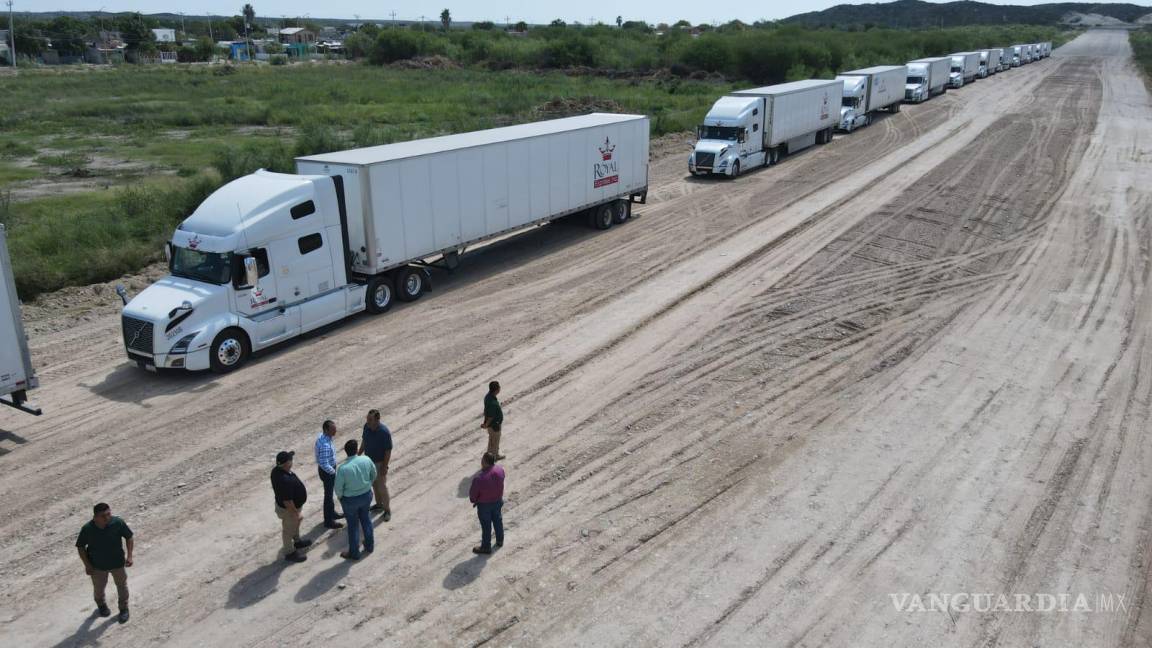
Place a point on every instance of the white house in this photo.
(164, 35)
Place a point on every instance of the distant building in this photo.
(164, 35)
(291, 35)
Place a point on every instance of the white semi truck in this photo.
(758, 127)
(927, 77)
(1014, 55)
(868, 91)
(989, 62)
(270, 256)
(965, 67)
(17, 376)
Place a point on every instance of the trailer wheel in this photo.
(621, 211)
(601, 217)
(229, 351)
(896, 107)
(380, 294)
(410, 283)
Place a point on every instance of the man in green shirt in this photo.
(99, 545)
(493, 419)
(353, 486)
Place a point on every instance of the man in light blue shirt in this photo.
(326, 466)
(353, 485)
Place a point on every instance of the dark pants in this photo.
(358, 518)
(329, 503)
(490, 517)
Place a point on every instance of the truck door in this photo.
(263, 304)
(312, 283)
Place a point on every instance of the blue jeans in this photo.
(490, 517)
(357, 516)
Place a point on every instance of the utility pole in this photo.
(182, 28)
(12, 33)
(210, 36)
(393, 14)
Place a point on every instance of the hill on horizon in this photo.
(916, 13)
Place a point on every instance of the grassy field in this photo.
(1141, 42)
(98, 166)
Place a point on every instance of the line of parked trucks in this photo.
(758, 127)
(271, 256)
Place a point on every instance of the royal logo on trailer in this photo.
(824, 108)
(605, 170)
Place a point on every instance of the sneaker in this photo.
(333, 525)
(300, 544)
(499, 457)
(296, 557)
(377, 508)
(123, 618)
(347, 556)
(103, 611)
(368, 551)
(499, 544)
(481, 550)
(387, 515)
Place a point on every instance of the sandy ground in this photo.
(913, 361)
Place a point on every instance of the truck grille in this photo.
(137, 334)
(907, 95)
(705, 159)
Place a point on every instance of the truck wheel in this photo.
(736, 169)
(621, 211)
(774, 156)
(601, 217)
(380, 294)
(229, 351)
(409, 283)
(896, 107)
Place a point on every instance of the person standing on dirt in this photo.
(99, 545)
(326, 466)
(290, 496)
(493, 419)
(353, 486)
(487, 495)
(376, 442)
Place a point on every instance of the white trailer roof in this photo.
(875, 69)
(787, 88)
(416, 148)
(931, 59)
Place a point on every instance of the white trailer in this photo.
(965, 68)
(927, 77)
(868, 91)
(270, 256)
(17, 376)
(989, 62)
(758, 127)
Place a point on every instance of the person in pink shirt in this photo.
(487, 495)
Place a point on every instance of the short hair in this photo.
(374, 414)
(493, 386)
(100, 508)
(327, 425)
(488, 459)
(351, 447)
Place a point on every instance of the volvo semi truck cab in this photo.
(729, 141)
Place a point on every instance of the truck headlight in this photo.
(181, 346)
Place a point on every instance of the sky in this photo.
(532, 11)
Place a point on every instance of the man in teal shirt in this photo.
(353, 486)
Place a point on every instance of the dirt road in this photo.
(912, 362)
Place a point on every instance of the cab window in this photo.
(262, 267)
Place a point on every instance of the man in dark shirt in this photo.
(99, 545)
(487, 495)
(493, 419)
(376, 443)
(290, 496)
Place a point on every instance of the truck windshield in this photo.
(730, 133)
(915, 80)
(848, 102)
(957, 68)
(209, 267)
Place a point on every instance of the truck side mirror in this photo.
(251, 272)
